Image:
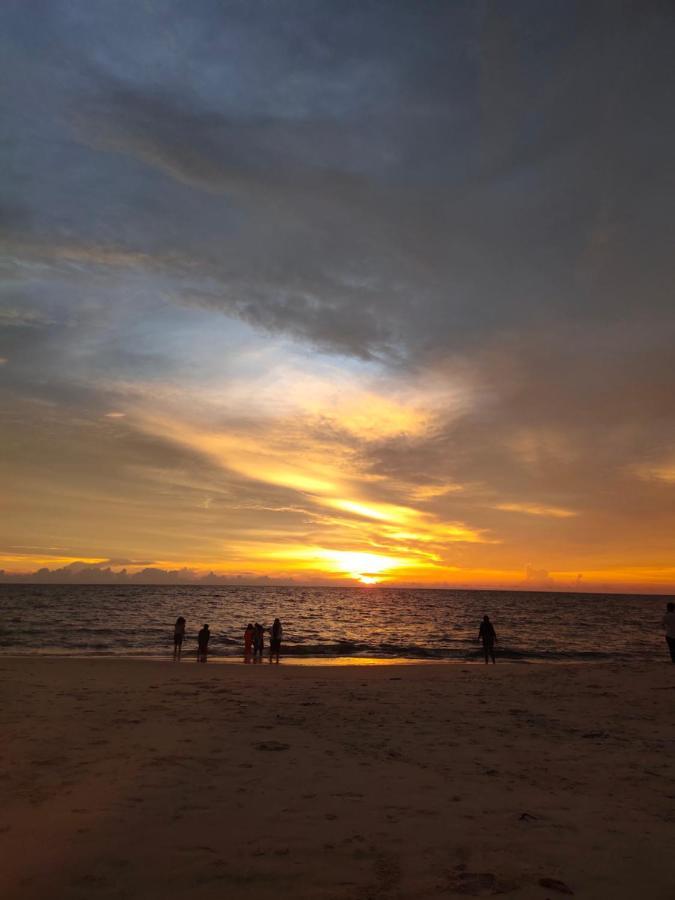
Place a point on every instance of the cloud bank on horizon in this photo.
(367, 292)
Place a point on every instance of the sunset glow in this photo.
(383, 311)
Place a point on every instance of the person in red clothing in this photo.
(248, 640)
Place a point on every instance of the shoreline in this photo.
(327, 661)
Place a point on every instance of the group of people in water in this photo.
(254, 638)
(254, 641)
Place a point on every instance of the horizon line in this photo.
(359, 587)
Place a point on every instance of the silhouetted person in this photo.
(275, 640)
(203, 643)
(248, 640)
(258, 639)
(178, 637)
(488, 636)
(668, 623)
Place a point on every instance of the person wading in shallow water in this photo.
(668, 623)
(488, 636)
(258, 639)
(275, 641)
(178, 635)
(248, 640)
(203, 643)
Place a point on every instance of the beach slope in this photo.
(147, 779)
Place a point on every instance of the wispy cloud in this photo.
(534, 509)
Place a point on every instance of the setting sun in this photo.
(368, 568)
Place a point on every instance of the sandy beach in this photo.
(148, 779)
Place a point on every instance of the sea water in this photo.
(330, 623)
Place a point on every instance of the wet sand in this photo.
(135, 779)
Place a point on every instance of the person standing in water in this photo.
(203, 643)
(178, 636)
(258, 639)
(275, 640)
(248, 640)
(488, 636)
(668, 624)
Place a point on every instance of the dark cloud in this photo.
(428, 176)
(103, 573)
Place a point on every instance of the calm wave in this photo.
(329, 622)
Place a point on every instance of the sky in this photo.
(338, 292)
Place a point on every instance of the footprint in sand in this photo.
(480, 884)
(554, 884)
(196, 848)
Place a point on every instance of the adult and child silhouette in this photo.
(254, 641)
(254, 638)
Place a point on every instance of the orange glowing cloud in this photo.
(360, 535)
(534, 509)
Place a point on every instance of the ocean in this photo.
(330, 623)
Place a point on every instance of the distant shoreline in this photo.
(17, 581)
